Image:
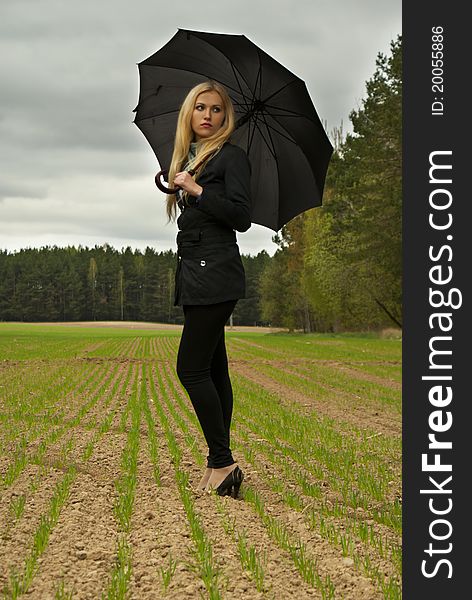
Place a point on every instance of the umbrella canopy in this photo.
(276, 122)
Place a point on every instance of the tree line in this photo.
(337, 267)
(104, 284)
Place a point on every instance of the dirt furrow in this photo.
(232, 580)
(83, 433)
(360, 416)
(36, 484)
(304, 372)
(44, 387)
(358, 374)
(82, 546)
(330, 560)
(283, 580)
(171, 527)
(287, 361)
(35, 436)
(244, 343)
(266, 470)
(17, 535)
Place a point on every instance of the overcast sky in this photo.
(74, 169)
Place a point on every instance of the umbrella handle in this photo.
(161, 186)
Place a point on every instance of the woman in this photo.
(210, 276)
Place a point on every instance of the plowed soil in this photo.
(82, 548)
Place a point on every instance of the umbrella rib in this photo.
(240, 88)
(269, 126)
(233, 66)
(163, 114)
(281, 133)
(270, 136)
(293, 114)
(155, 93)
(282, 88)
(229, 87)
(253, 91)
(269, 146)
(259, 76)
(250, 136)
(237, 72)
(255, 125)
(290, 113)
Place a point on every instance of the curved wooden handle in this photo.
(161, 186)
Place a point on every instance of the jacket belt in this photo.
(202, 235)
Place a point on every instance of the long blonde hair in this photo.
(184, 136)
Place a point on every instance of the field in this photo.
(100, 451)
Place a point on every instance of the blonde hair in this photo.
(184, 136)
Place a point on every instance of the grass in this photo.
(339, 481)
(202, 546)
(168, 572)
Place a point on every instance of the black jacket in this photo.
(209, 268)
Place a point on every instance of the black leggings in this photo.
(202, 367)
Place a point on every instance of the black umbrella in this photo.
(277, 124)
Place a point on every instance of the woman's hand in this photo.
(185, 181)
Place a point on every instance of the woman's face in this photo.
(208, 115)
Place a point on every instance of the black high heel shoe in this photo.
(232, 481)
